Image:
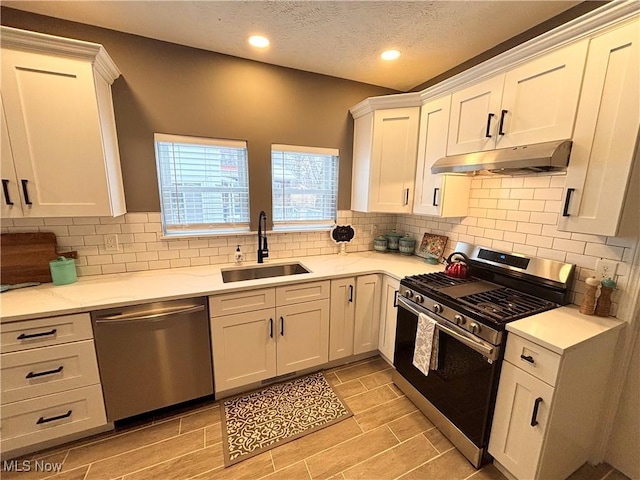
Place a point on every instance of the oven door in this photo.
(464, 385)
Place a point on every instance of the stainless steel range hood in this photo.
(539, 157)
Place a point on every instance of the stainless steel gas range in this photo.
(458, 396)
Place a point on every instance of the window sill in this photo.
(239, 233)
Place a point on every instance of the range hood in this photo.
(539, 157)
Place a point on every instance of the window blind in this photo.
(304, 186)
(204, 184)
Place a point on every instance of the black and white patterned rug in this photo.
(259, 421)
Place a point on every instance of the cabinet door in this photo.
(387, 337)
(393, 162)
(515, 442)
(541, 97)
(53, 123)
(244, 348)
(303, 335)
(605, 135)
(474, 117)
(367, 321)
(432, 145)
(11, 200)
(342, 318)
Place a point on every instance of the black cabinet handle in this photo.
(504, 113)
(271, 327)
(25, 192)
(42, 420)
(282, 326)
(25, 336)
(395, 299)
(42, 374)
(406, 196)
(527, 358)
(534, 417)
(435, 194)
(351, 293)
(565, 211)
(489, 117)
(5, 189)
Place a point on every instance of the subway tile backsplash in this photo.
(519, 214)
(512, 214)
(141, 246)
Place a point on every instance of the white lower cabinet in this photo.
(303, 336)
(244, 348)
(342, 319)
(388, 314)
(355, 315)
(50, 383)
(547, 408)
(367, 320)
(279, 339)
(516, 437)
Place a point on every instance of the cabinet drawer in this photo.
(240, 302)
(532, 358)
(45, 418)
(302, 292)
(45, 331)
(43, 371)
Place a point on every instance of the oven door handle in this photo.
(477, 345)
(485, 350)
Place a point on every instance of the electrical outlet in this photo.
(111, 242)
(605, 269)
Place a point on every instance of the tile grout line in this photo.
(387, 449)
(137, 448)
(164, 461)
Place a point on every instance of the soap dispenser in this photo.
(238, 255)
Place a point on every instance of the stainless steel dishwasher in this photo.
(154, 355)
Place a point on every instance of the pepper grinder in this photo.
(604, 300)
(589, 301)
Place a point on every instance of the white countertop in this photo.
(558, 330)
(116, 290)
(562, 329)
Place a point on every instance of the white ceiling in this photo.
(339, 38)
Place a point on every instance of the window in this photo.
(204, 184)
(305, 186)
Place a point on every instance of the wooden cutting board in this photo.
(24, 257)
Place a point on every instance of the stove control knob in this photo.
(419, 299)
(408, 293)
(437, 308)
(460, 320)
(474, 327)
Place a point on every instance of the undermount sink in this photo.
(261, 271)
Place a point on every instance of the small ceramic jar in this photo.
(393, 239)
(380, 243)
(407, 245)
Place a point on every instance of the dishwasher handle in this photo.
(119, 318)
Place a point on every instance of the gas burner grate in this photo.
(505, 305)
(432, 281)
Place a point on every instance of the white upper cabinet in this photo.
(472, 123)
(60, 124)
(384, 157)
(605, 136)
(532, 103)
(11, 202)
(440, 195)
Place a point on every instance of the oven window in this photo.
(463, 386)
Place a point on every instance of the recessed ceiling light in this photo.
(390, 55)
(259, 41)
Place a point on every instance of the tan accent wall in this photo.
(169, 88)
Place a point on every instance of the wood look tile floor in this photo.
(387, 438)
